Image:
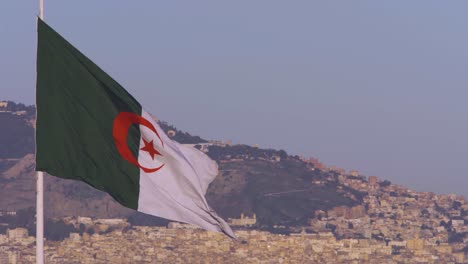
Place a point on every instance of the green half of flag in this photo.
(76, 106)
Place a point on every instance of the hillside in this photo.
(279, 192)
(276, 187)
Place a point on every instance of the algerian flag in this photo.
(89, 128)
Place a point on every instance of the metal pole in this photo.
(40, 193)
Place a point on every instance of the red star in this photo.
(150, 149)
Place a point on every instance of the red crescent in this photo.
(122, 123)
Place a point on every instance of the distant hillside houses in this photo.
(243, 221)
(17, 109)
(7, 213)
(224, 152)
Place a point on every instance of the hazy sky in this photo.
(377, 86)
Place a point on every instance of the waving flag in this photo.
(89, 128)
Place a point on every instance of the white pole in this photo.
(40, 193)
(40, 218)
(41, 9)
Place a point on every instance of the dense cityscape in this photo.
(395, 225)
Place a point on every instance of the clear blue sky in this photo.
(377, 86)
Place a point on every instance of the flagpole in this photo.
(40, 192)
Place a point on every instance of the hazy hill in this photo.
(16, 136)
(272, 184)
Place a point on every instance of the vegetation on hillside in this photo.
(180, 136)
(16, 136)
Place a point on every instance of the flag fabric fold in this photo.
(89, 128)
